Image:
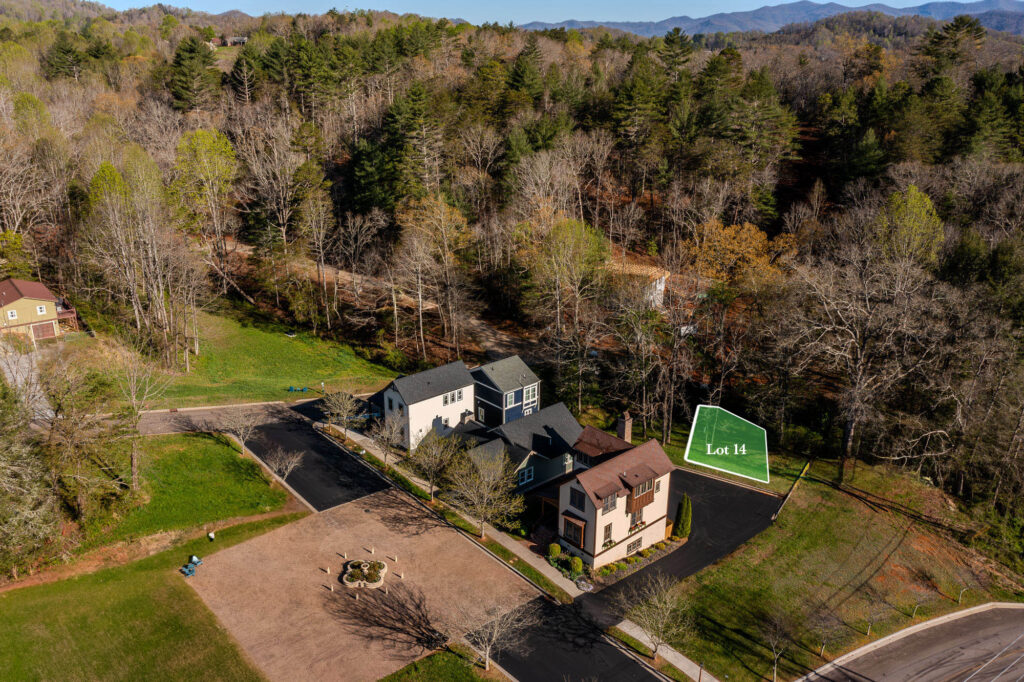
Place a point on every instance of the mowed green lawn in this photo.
(189, 480)
(242, 360)
(140, 621)
(831, 552)
(454, 665)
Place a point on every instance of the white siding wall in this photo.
(423, 416)
(653, 532)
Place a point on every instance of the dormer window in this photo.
(644, 487)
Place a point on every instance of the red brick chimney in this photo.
(624, 427)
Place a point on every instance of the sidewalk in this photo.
(594, 610)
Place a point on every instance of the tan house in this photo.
(30, 309)
(618, 507)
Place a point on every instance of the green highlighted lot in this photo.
(722, 441)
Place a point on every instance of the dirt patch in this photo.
(273, 593)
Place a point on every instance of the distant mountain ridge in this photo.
(1000, 15)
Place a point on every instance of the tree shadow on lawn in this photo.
(399, 618)
(404, 516)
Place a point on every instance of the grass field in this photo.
(140, 621)
(451, 665)
(829, 552)
(189, 480)
(246, 361)
(728, 443)
(245, 357)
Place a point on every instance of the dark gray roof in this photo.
(551, 431)
(492, 449)
(433, 382)
(507, 374)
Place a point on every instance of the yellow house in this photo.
(30, 309)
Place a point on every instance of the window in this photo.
(444, 400)
(636, 518)
(480, 413)
(657, 486)
(608, 533)
(644, 487)
(524, 476)
(40, 310)
(445, 420)
(528, 410)
(391, 404)
(609, 503)
(12, 314)
(634, 546)
(530, 394)
(577, 500)
(459, 395)
(510, 399)
(572, 532)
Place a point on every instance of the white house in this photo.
(434, 400)
(618, 507)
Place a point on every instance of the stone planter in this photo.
(357, 571)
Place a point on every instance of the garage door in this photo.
(43, 330)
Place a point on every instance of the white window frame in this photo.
(459, 395)
(605, 507)
(510, 400)
(530, 394)
(12, 314)
(40, 310)
(634, 546)
(524, 476)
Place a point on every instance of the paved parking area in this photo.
(272, 593)
(327, 476)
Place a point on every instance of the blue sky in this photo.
(519, 11)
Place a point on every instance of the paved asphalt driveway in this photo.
(981, 647)
(327, 476)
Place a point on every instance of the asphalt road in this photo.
(327, 476)
(565, 647)
(981, 647)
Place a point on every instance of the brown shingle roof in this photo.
(622, 473)
(595, 442)
(14, 289)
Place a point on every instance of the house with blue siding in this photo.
(506, 390)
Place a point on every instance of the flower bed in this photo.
(359, 573)
(612, 573)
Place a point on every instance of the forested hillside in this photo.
(839, 205)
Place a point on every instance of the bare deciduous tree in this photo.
(241, 424)
(340, 407)
(656, 606)
(386, 434)
(139, 385)
(485, 487)
(500, 629)
(283, 462)
(433, 456)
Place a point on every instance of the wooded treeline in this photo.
(839, 205)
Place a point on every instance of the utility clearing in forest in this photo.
(723, 441)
